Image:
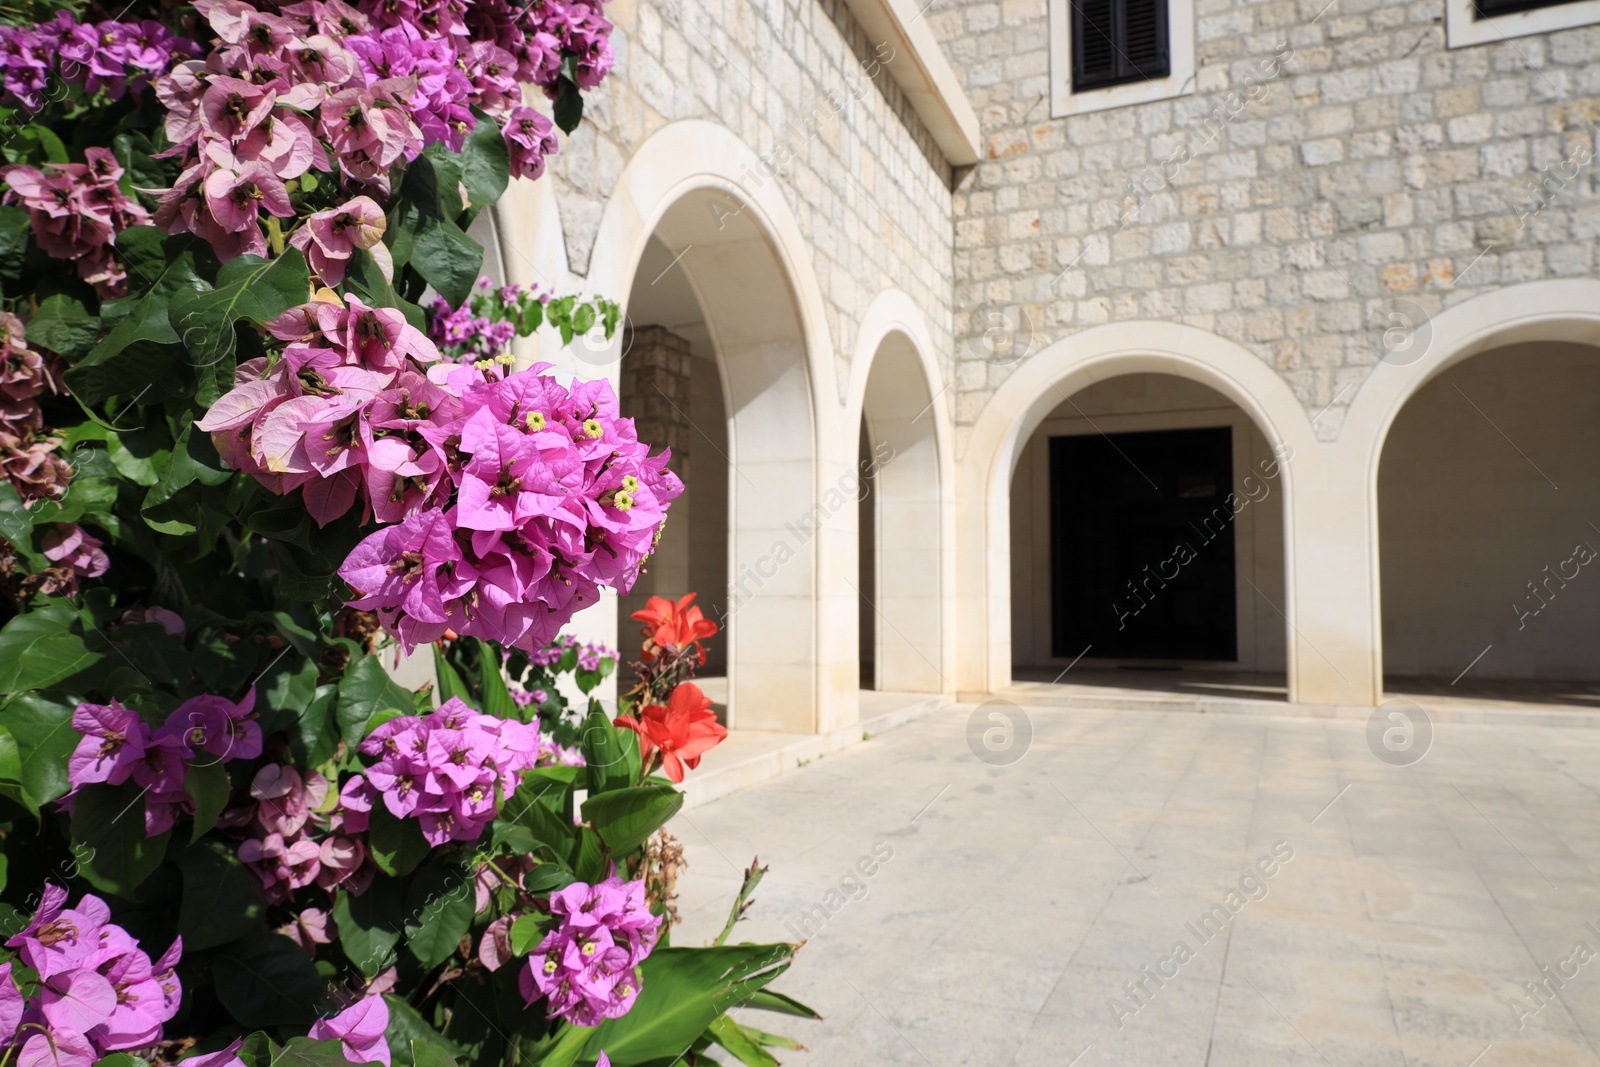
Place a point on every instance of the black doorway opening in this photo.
(1142, 545)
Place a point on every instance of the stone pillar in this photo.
(655, 395)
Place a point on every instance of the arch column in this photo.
(746, 260)
(895, 387)
(1556, 310)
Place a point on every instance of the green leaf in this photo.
(248, 287)
(365, 690)
(16, 526)
(14, 229)
(265, 979)
(397, 844)
(193, 459)
(603, 753)
(221, 896)
(485, 164)
(45, 740)
(625, 818)
(496, 696)
(440, 905)
(450, 681)
(138, 456)
(742, 1045)
(207, 783)
(10, 757)
(134, 355)
(62, 324)
(308, 1052)
(783, 1004)
(447, 259)
(119, 1059)
(369, 925)
(43, 647)
(108, 833)
(568, 109)
(412, 1041)
(526, 932)
(772, 1040)
(561, 1049)
(683, 991)
(312, 738)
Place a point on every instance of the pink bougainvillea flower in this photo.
(11, 1005)
(359, 1029)
(71, 546)
(223, 1057)
(57, 1049)
(114, 741)
(529, 137)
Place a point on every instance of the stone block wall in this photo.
(799, 82)
(1335, 165)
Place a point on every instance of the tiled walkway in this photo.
(1013, 908)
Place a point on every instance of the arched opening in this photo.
(900, 548)
(1147, 546)
(714, 364)
(1487, 527)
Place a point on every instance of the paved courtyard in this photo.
(1145, 888)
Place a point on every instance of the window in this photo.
(1113, 53)
(1485, 9)
(1474, 22)
(1118, 41)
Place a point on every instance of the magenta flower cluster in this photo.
(328, 87)
(294, 842)
(514, 498)
(75, 211)
(587, 967)
(589, 653)
(118, 745)
(97, 990)
(448, 769)
(483, 326)
(111, 57)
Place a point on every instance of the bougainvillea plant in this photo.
(238, 478)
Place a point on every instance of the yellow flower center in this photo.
(483, 364)
(536, 420)
(505, 359)
(630, 484)
(623, 501)
(591, 428)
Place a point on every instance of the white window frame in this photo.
(1462, 29)
(1180, 46)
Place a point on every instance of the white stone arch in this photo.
(896, 385)
(698, 188)
(1037, 386)
(1559, 310)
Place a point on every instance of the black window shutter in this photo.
(1489, 8)
(1120, 41)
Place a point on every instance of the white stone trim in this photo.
(1180, 41)
(1462, 29)
(921, 70)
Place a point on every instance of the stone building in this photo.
(1006, 336)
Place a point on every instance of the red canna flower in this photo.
(682, 732)
(673, 627)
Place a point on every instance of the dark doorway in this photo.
(1141, 530)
